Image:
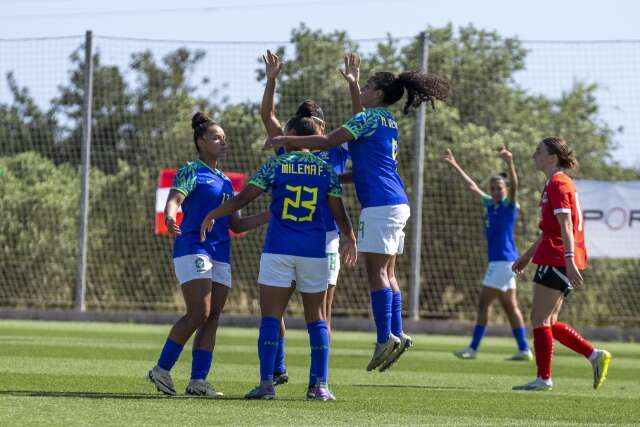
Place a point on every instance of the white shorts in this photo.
(333, 256)
(500, 276)
(279, 270)
(333, 267)
(198, 266)
(380, 229)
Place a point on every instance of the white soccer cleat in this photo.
(406, 342)
(161, 378)
(523, 356)
(383, 351)
(466, 353)
(202, 388)
(600, 363)
(536, 385)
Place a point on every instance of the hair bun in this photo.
(199, 119)
(310, 108)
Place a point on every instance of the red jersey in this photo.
(560, 196)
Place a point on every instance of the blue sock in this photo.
(396, 314)
(201, 363)
(279, 366)
(381, 306)
(319, 342)
(268, 346)
(478, 333)
(170, 354)
(520, 334)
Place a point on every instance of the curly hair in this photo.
(420, 87)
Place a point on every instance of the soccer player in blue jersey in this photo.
(294, 250)
(499, 281)
(202, 267)
(337, 158)
(373, 142)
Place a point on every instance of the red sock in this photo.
(569, 337)
(543, 345)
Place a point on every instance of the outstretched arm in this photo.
(511, 173)
(349, 251)
(473, 187)
(239, 224)
(312, 142)
(237, 202)
(267, 110)
(351, 74)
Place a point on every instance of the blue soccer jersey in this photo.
(337, 157)
(373, 152)
(205, 189)
(500, 221)
(300, 183)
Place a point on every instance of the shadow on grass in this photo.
(120, 396)
(422, 387)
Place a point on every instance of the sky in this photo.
(272, 20)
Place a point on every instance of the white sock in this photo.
(594, 355)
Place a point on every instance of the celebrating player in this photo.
(202, 267)
(337, 158)
(499, 281)
(560, 254)
(372, 135)
(294, 249)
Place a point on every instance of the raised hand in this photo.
(272, 64)
(351, 71)
(505, 154)
(448, 158)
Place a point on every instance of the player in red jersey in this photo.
(560, 254)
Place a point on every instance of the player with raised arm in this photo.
(337, 158)
(373, 142)
(560, 254)
(294, 249)
(499, 281)
(203, 268)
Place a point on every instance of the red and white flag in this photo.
(165, 181)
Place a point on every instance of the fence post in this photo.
(418, 191)
(81, 277)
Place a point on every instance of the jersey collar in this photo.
(201, 163)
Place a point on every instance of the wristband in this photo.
(569, 254)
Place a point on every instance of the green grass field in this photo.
(94, 374)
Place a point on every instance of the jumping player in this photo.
(372, 135)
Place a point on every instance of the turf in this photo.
(54, 373)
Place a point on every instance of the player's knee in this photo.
(198, 316)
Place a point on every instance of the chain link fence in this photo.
(505, 92)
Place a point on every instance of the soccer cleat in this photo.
(202, 388)
(466, 353)
(311, 391)
(263, 392)
(280, 378)
(405, 343)
(161, 378)
(600, 367)
(536, 385)
(383, 351)
(524, 355)
(320, 392)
